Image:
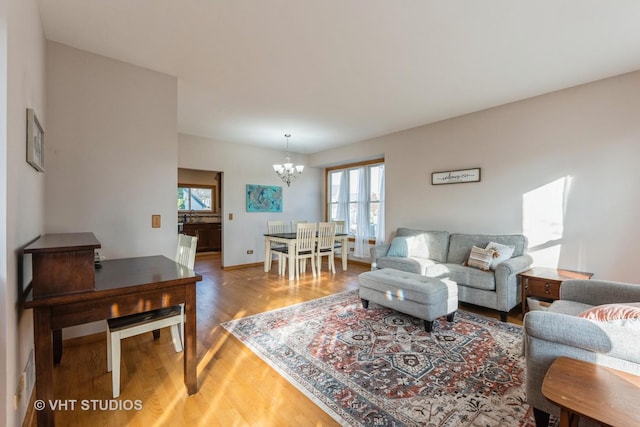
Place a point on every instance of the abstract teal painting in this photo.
(264, 198)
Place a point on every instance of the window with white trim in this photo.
(355, 194)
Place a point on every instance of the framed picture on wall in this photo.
(35, 141)
(455, 177)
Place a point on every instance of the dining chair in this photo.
(272, 228)
(305, 248)
(326, 245)
(120, 328)
(294, 224)
(340, 226)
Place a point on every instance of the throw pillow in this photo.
(480, 258)
(399, 247)
(501, 253)
(610, 312)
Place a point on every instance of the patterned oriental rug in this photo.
(378, 367)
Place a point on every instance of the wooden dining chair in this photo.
(294, 224)
(305, 248)
(127, 326)
(272, 228)
(326, 245)
(340, 227)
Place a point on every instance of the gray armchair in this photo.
(559, 331)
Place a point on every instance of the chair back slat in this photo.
(339, 226)
(294, 224)
(274, 227)
(186, 253)
(306, 237)
(326, 235)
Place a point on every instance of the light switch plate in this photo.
(155, 221)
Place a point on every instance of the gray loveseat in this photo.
(443, 255)
(561, 331)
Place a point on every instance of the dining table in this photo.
(289, 239)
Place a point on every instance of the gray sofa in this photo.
(443, 255)
(559, 331)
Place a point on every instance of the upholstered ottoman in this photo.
(426, 298)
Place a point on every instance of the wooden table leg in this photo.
(44, 366)
(345, 252)
(292, 259)
(57, 346)
(267, 254)
(190, 341)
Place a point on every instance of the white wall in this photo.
(23, 82)
(561, 167)
(111, 153)
(241, 165)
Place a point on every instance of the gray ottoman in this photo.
(426, 298)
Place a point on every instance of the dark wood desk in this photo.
(289, 239)
(122, 287)
(603, 394)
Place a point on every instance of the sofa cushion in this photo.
(569, 307)
(460, 244)
(426, 244)
(411, 264)
(462, 275)
(501, 254)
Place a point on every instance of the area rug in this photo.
(378, 367)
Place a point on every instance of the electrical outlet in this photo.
(26, 381)
(249, 251)
(19, 391)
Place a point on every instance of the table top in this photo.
(603, 394)
(63, 242)
(558, 274)
(294, 235)
(123, 276)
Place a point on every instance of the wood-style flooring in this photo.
(236, 388)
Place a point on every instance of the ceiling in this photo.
(334, 72)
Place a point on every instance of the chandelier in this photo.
(288, 172)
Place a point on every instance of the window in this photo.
(196, 198)
(355, 195)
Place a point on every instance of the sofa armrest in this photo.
(507, 289)
(515, 265)
(598, 292)
(567, 330)
(613, 339)
(377, 252)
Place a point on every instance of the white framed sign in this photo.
(456, 177)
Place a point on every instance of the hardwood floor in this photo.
(236, 388)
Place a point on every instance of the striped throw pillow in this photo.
(480, 258)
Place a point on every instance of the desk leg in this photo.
(267, 255)
(44, 364)
(190, 340)
(57, 346)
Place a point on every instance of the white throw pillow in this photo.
(501, 253)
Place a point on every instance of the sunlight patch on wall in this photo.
(543, 212)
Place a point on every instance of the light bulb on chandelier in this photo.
(287, 171)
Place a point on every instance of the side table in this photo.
(603, 394)
(544, 282)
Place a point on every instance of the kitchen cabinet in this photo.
(209, 235)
